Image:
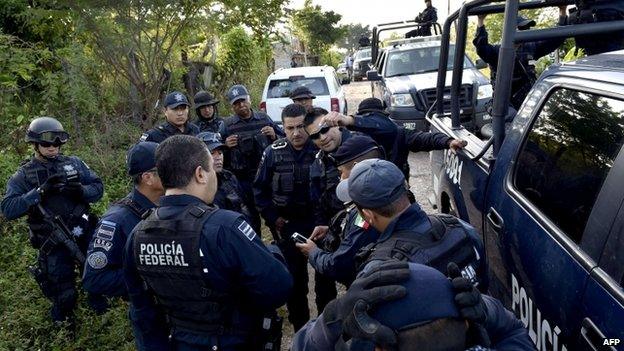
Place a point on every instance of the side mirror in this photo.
(372, 75)
(480, 64)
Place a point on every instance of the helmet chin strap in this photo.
(47, 158)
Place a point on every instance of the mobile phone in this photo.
(298, 238)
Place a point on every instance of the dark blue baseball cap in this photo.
(212, 140)
(430, 297)
(237, 92)
(352, 148)
(141, 157)
(373, 183)
(175, 99)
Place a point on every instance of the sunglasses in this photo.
(54, 137)
(323, 130)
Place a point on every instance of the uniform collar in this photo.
(412, 218)
(141, 199)
(178, 200)
(174, 130)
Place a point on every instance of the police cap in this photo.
(237, 92)
(302, 93)
(212, 140)
(525, 23)
(373, 183)
(141, 157)
(371, 105)
(175, 99)
(352, 148)
(429, 297)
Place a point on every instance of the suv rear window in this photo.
(415, 61)
(363, 54)
(568, 155)
(281, 88)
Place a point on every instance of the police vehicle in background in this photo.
(546, 189)
(361, 63)
(321, 80)
(405, 73)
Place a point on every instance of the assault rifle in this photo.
(60, 235)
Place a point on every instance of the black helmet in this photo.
(203, 98)
(46, 130)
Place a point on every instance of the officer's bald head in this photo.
(177, 160)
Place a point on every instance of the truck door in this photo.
(545, 183)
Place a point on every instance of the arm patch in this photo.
(247, 230)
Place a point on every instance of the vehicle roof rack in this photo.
(382, 27)
(507, 53)
(414, 40)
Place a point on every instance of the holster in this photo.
(41, 277)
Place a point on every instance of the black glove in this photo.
(52, 184)
(72, 189)
(376, 286)
(470, 304)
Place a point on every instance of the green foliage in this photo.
(318, 29)
(353, 34)
(331, 58)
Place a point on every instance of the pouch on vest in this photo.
(246, 144)
(261, 141)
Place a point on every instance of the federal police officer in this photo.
(103, 272)
(379, 191)
(247, 133)
(63, 186)
(208, 119)
(427, 17)
(524, 75)
(401, 306)
(323, 129)
(176, 110)
(229, 193)
(399, 145)
(347, 232)
(281, 191)
(303, 96)
(206, 267)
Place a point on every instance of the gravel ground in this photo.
(420, 183)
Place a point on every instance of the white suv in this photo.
(321, 80)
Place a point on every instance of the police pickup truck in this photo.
(546, 190)
(405, 76)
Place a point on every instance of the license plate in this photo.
(409, 125)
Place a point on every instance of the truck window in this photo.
(567, 155)
(281, 88)
(416, 61)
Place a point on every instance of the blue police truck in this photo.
(545, 188)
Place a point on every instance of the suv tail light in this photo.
(335, 105)
(263, 106)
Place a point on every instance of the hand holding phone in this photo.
(298, 238)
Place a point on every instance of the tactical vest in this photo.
(211, 125)
(288, 176)
(245, 157)
(168, 258)
(335, 234)
(330, 177)
(230, 199)
(133, 206)
(589, 11)
(447, 241)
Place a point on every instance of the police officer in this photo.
(380, 194)
(401, 306)
(592, 11)
(426, 18)
(328, 130)
(347, 232)
(524, 75)
(103, 273)
(206, 267)
(208, 119)
(176, 112)
(247, 133)
(404, 141)
(63, 186)
(281, 191)
(303, 96)
(229, 192)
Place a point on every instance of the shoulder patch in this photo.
(97, 260)
(279, 144)
(247, 230)
(144, 137)
(106, 230)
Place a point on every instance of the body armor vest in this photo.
(209, 125)
(168, 258)
(330, 177)
(447, 241)
(133, 206)
(228, 197)
(245, 157)
(289, 176)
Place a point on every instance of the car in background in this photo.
(322, 81)
(344, 74)
(361, 63)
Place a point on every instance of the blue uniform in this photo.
(56, 267)
(506, 332)
(236, 263)
(165, 130)
(340, 264)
